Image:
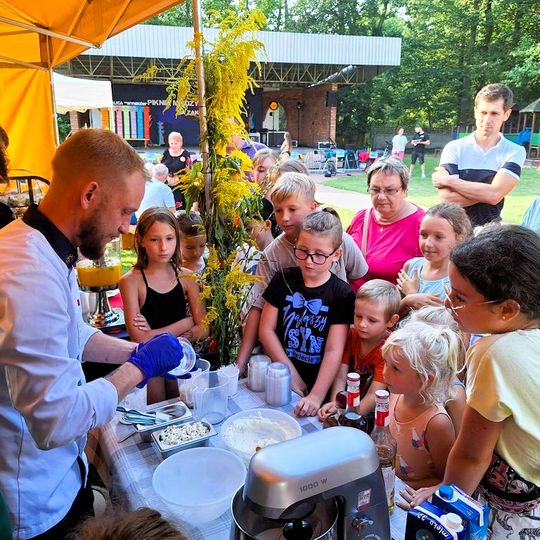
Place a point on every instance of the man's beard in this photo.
(92, 243)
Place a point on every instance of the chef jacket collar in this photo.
(58, 241)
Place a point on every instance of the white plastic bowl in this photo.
(199, 483)
(236, 428)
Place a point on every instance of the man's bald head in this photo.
(95, 155)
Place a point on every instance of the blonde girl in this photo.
(157, 297)
(440, 316)
(420, 365)
(263, 160)
(422, 280)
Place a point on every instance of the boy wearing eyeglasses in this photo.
(308, 311)
(293, 197)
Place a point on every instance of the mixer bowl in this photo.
(246, 431)
(249, 525)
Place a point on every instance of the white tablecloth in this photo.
(128, 468)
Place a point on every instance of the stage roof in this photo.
(290, 59)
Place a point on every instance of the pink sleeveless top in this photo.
(413, 460)
(389, 246)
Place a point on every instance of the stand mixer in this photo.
(325, 485)
(99, 276)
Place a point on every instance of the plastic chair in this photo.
(319, 159)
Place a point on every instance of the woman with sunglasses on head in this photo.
(495, 290)
(387, 234)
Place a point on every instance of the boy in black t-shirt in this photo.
(308, 311)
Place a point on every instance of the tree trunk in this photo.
(468, 64)
(489, 24)
(383, 14)
(516, 34)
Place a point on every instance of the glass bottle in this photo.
(341, 404)
(386, 444)
(351, 417)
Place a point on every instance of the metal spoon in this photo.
(135, 412)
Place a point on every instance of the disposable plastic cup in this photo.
(188, 360)
(231, 372)
(258, 364)
(185, 382)
(278, 385)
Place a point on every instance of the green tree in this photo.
(450, 49)
(524, 77)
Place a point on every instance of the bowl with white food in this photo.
(179, 437)
(247, 432)
(199, 484)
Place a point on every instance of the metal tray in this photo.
(167, 450)
(180, 414)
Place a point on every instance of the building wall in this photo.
(78, 120)
(309, 120)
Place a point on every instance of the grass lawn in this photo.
(423, 193)
(345, 214)
(128, 258)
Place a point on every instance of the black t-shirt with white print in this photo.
(305, 315)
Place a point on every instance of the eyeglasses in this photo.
(454, 309)
(373, 191)
(317, 258)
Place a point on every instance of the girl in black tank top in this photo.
(162, 309)
(156, 297)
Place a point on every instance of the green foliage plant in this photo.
(233, 198)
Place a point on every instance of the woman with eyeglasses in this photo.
(495, 290)
(387, 233)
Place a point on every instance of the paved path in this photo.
(339, 197)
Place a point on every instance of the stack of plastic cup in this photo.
(231, 372)
(278, 385)
(257, 367)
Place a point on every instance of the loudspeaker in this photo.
(331, 99)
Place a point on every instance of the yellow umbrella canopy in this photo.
(34, 38)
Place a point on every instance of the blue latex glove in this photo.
(157, 356)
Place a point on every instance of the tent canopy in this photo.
(71, 94)
(532, 107)
(34, 38)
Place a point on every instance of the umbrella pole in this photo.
(55, 117)
(201, 92)
(51, 82)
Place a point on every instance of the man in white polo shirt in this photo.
(479, 170)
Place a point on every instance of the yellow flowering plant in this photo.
(233, 198)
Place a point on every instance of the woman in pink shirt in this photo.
(387, 234)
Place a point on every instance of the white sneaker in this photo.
(423, 176)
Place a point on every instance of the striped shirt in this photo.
(464, 157)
